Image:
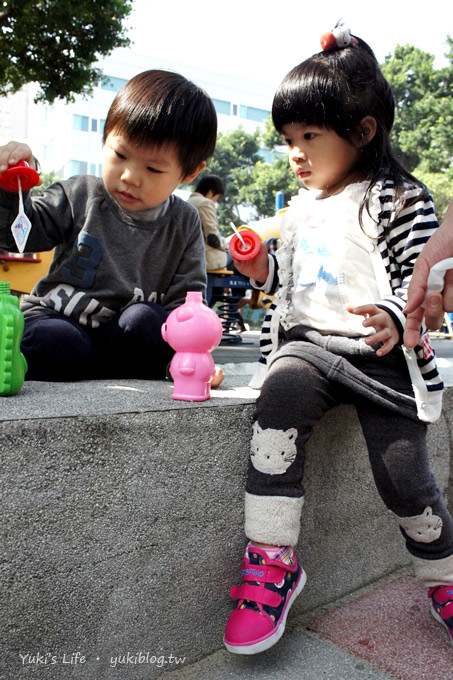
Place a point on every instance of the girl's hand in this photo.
(256, 268)
(386, 330)
(13, 152)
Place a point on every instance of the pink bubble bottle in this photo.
(193, 330)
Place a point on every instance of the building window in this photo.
(113, 84)
(235, 109)
(92, 168)
(80, 122)
(222, 106)
(78, 167)
(94, 125)
(249, 112)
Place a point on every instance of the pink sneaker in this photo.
(442, 606)
(268, 589)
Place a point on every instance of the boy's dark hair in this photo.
(163, 108)
(212, 183)
(337, 89)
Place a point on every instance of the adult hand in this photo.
(439, 247)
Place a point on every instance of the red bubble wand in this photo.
(17, 178)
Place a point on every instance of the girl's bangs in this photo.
(306, 98)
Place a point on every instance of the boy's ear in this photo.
(367, 130)
(189, 178)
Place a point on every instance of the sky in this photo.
(256, 40)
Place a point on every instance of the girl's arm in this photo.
(413, 227)
(257, 268)
(268, 271)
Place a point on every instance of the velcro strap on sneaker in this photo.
(263, 573)
(258, 594)
(443, 600)
(447, 611)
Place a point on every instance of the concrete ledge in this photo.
(123, 516)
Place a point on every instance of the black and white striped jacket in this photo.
(404, 225)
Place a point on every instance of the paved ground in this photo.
(385, 632)
(247, 352)
(444, 353)
(240, 348)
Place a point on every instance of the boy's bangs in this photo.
(143, 128)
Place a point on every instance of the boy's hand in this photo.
(256, 268)
(386, 330)
(13, 152)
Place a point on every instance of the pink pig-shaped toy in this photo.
(193, 330)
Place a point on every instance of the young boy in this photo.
(126, 249)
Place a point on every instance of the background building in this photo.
(67, 138)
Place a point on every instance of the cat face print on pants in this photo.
(424, 528)
(273, 451)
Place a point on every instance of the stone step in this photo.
(123, 522)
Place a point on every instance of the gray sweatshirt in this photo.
(106, 258)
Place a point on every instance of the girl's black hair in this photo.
(336, 89)
(159, 107)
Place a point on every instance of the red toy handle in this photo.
(27, 175)
(252, 246)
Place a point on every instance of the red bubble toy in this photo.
(245, 245)
(28, 177)
(17, 178)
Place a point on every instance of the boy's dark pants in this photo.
(130, 346)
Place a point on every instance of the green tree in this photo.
(424, 106)
(254, 170)
(440, 185)
(55, 43)
(270, 175)
(47, 178)
(421, 134)
(267, 179)
(235, 155)
(270, 137)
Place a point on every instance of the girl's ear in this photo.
(366, 130)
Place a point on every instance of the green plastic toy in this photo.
(13, 364)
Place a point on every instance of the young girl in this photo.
(349, 247)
